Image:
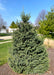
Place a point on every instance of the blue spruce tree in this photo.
(28, 55)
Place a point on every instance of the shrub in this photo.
(28, 55)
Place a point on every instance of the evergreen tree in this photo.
(25, 17)
(13, 25)
(47, 25)
(28, 55)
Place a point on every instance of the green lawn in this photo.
(4, 52)
(5, 40)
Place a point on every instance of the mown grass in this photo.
(4, 52)
(5, 40)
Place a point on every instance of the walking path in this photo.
(5, 37)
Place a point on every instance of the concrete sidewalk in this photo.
(5, 37)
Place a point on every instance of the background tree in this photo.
(2, 22)
(17, 23)
(13, 25)
(47, 25)
(4, 27)
(40, 17)
(28, 55)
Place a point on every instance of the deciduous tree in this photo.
(40, 17)
(2, 22)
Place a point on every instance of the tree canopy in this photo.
(47, 25)
(13, 25)
(40, 17)
(2, 22)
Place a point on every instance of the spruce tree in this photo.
(28, 55)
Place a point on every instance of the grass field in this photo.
(5, 40)
(4, 52)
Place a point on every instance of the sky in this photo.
(12, 9)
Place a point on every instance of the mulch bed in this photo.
(6, 70)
